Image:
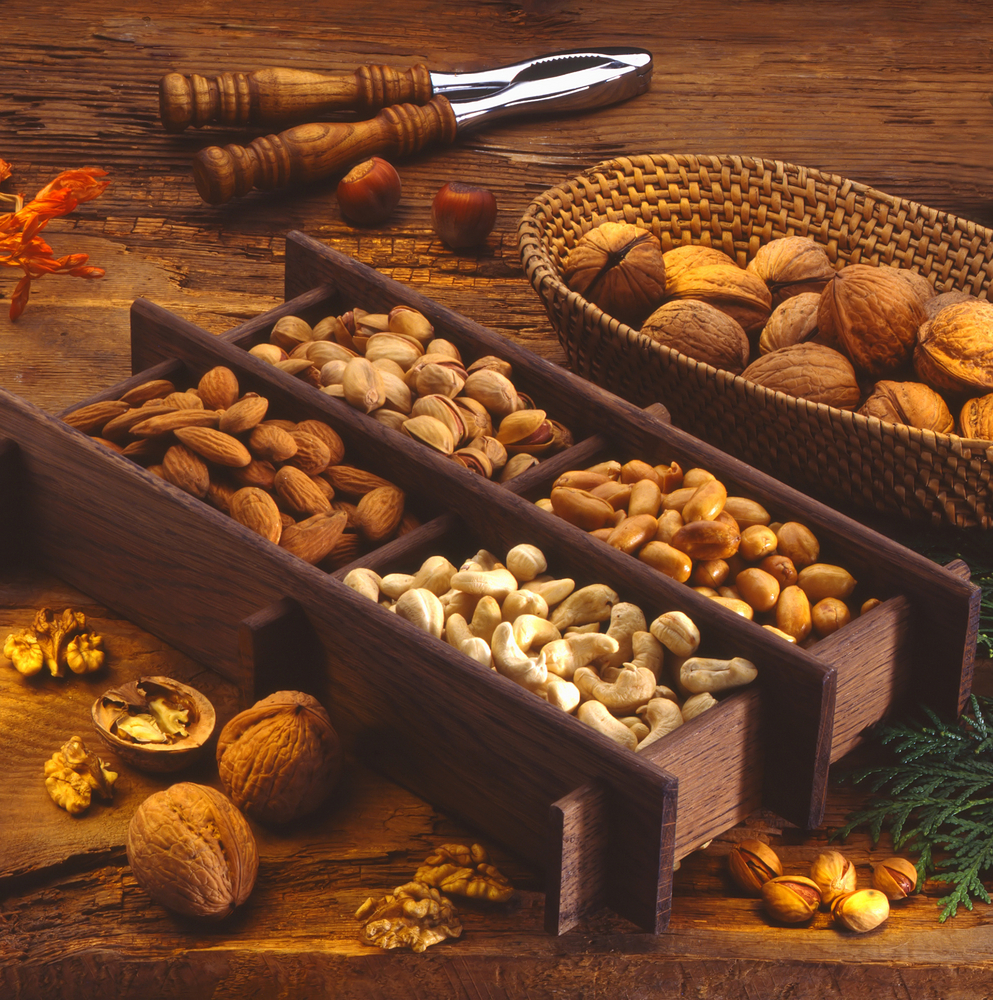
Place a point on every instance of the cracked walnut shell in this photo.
(791, 266)
(279, 759)
(910, 403)
(192, 851)
(955, 349)
(808, 371)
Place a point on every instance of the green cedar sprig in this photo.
(936, 795)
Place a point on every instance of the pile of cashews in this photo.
(545, 634)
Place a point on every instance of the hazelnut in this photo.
(791, 898)
(280, 758)
(752, 863)
(834, 875)
(861, 911)
(896, 878)
(192, 851)
(369, 192)
(463, 214)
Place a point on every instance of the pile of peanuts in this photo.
(633, 682)
(392, 367)
(286, 480)
(686, 526)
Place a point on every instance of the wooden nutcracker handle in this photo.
(275, 96)
(311, 152)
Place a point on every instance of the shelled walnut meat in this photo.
(392, 367)
(285, 480)
(582, 650)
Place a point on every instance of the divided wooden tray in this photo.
(605, 824)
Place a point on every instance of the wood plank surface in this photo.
(892, 93)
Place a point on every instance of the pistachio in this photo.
(861, 911)
(430, 431)
(752, 863)
(495, 391)
(896, 878)
(791, 899)
(834, 875)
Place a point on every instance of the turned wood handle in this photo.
(276, 96)
(312, 152)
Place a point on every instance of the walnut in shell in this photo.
(700, 331)
(976, 418)
(192, 851)
(808, 371)
(936, 303)
(794, 321)
(280, 758)
(619, 267)
(732, 289)
(910, 403)
(680, 259)
(955, 349)
(791, 266)
(874, 314)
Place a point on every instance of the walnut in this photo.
(619, 267)
(730, 288)
(936, 303)
(794, 321)
(874, 313)
(700, 331)
(955, 348)
(73, 775)
(680, 259)
(808, 371)
(920, 284)
(976, 418)
(465, 871)
(414, 916)
(909, 403)
(791, 266)
(280, 758)
(192, 851)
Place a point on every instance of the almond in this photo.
(314, 538)
(379, 512)
(271, 443)
(243, 415)
(90, 419)
(345, 550)
(299, 492)
(256, 473)
(215, 446)
(219, 388)
(328, 435)
(120, 426)
(255, 509)
(146, 450)
(185, 469)
(312, 455)
(155, 389)
(167, 422)
(352, 480)
(184, 401)
(219, 494)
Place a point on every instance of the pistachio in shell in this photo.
(808, 371)
(700, 331)
(430, 431)
(526, 430)
(911, 403)
(791, 266)
(875, 315)
(955, 349)
(619, 267)
(279, 759)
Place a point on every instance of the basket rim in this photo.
(543, 274)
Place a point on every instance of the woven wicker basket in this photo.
(737, 204)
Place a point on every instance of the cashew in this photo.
(496, 583)
(588, 604)
(553, 591)
(647, 652)
(634, 686)
(523, 602)
(483, 560)
(579, 629)
(564, 656)
(533, 630)
(423, 609)
(513, 662)
(661, 691)
(478, 650)
(395, 584)
(636, 726)
(435, 574)
(596, 715)
(697, 705)
(485, 618)
(526, 562)
(663, 716)
(562, 694)
(364, 582)
(625, 620)
(700, 673)
(457, 631)
(457, 602)
(676, 631)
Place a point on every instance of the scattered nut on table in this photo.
(55, 641)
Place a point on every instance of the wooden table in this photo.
(891, 93)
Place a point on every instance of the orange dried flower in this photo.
(20, 244)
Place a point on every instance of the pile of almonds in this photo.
(391, 366)
(284, 479)
(633, 682)
(686, 526)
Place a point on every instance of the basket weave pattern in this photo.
(737, 204)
